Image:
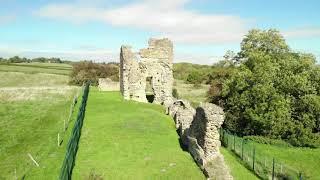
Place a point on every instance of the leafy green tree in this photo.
(195, 77)
(274, 92)
(89, 71)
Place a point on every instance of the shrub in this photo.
(175, 93)
(195, 77)
(89, 71)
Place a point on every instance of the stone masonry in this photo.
(153, 64)
(106, 84)
(199, 132)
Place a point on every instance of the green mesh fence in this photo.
(72, 146)
(263, 166)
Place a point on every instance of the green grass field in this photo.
(20, 79)
(33, 108)
(130, 140)
(238, 171)
(32, 68)
(303, 160)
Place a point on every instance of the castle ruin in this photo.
(199, 132)
(148, 76)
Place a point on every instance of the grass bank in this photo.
(303, 160)
(33, 108)
(130, 140)
(31, 126)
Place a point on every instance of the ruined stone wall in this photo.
(106, 84)
(154, 62)
(199, 131)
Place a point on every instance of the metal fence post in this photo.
(234, 143)
(273, 169)
(242, 149)
(253, 157)
(227, 140)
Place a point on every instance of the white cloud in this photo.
(303, 32)
(167, 17)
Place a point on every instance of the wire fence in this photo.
(72, 147)
(24, 164)
(262, 165)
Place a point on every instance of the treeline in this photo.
(17, 59)
(202, 74)
(89, 71)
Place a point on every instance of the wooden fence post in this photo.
(58, 139)
(34, 161)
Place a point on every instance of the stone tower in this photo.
(148, 76)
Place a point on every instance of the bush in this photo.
(195, 77)
(175, 93)
(89, 71)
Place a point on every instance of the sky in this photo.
(201, 30)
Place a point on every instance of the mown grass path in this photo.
(130, 140)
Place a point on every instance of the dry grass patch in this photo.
(19, 79)
(191, 93)
(35, 93)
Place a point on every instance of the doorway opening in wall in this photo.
(149, 90)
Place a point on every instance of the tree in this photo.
(274, 92)
(89, 71)
(195, 77)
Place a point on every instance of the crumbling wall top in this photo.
(158, 49)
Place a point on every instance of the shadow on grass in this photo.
(182, 146)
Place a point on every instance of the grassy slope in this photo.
(301, 159)
(130, 140)
(238, 171)
(31, 68)
(26, 129)
(31, 126)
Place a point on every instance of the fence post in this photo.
(242, 149)
(227, 140)
(300, 176)
(253, 157)
(273, 169)
(234, 143)
(58, 139)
